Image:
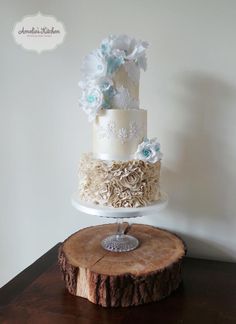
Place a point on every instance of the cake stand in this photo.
(119, 242)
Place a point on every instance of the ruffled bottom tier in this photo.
(133, 183)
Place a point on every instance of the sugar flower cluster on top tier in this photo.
(98, 68)
(149, 151)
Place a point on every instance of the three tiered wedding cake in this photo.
(124, 168)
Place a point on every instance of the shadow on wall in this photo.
(206, 249)
(203, 185)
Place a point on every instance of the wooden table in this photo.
(38, 295)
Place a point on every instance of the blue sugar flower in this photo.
(91, 98)
(105, 49)
(105, 85)
(157, 148)
(108, 94)
(146, 152)
(108, 90)
(111, 92)
(113, 63)
(106, 104)
(149, 151)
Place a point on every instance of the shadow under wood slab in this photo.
(147, 274)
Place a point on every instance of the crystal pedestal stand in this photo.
(119, 241)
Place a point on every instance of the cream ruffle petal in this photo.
(133, 183)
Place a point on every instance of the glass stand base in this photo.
(120, 243)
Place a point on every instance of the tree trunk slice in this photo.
(112, 279)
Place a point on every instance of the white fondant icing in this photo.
(108, 157)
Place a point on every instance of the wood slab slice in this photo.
(112, 279)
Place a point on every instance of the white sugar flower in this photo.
(105, 85)
(149, 151)
(123, 100)
(94, 65)
(113, 52)
(128, 47)
(86, 84)
(136, 49)
(91, 101)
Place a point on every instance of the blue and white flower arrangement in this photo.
(99, 66)
(149, 151)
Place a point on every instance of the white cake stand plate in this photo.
(111, 212)
(119, 241)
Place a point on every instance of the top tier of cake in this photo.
(111, 75)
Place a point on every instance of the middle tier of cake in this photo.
(117, 133)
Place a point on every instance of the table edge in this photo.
(20, 282)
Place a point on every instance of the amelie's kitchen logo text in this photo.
(39, 33)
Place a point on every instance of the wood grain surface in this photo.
(148, 273)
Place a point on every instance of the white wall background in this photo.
(189, 91)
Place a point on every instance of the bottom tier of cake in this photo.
(133, 183)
